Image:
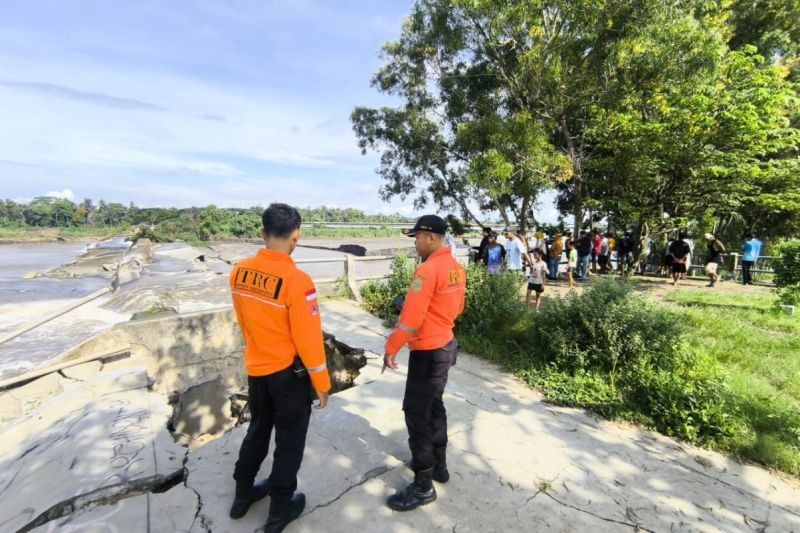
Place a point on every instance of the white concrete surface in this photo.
(103, 435)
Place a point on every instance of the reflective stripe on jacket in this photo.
(433, 302)
(278, 312)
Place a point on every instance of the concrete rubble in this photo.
(98, 456)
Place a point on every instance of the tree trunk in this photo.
(641, 242)
(503, 212)
(577, 177)
(467, 211)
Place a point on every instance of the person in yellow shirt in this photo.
(278, 312)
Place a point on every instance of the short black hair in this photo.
(750, 236)
(280, 220)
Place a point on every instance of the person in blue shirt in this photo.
(752, 249)
(494, 255)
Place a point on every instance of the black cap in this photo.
(430, 223)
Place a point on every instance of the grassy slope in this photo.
(29, 234)
(760, 350)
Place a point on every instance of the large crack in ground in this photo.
(157, 483)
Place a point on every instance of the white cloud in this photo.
(66, 194)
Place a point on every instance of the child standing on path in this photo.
(572, 262)
(536, 279)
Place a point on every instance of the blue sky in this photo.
(168, 103)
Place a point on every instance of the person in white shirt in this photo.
(536, 279)
(450, 242)
(515, 252)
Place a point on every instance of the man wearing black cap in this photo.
(433, 302)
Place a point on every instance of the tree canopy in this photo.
(648, 114)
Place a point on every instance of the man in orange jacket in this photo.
(433, 302)
(278, 312)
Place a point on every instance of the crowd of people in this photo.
(595, 253)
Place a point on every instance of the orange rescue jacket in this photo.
(433, 302)
(278, 311)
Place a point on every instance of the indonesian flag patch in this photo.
(311, 300)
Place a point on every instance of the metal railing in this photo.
(350, 275)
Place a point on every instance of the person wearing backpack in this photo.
(584, 247)
(679, 250)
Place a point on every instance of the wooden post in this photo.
(735, 265)
(350, 272)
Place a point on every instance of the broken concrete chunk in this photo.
(121, 380)
(83, 371)
(44, 387)
(344, 363)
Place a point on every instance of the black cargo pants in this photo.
(426, 417)
(282, 401)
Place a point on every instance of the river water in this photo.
(22, 300)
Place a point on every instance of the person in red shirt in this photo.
(278, 312)
(433, 302)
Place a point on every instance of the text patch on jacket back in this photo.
(455, 277)
(264, 284)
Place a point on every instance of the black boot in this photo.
(420, 492)
(282, 511)
(247, 495)
(440, 472)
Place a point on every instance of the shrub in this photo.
(492, 302)
(378, 296)
(603, 328)
(787, 272)
(611, 351)
(683, 396)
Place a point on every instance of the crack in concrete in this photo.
(734, 487)
(637, 527)
(317, 431)
(370, 475)
(205, 522)
(473, 404)
(105, 496)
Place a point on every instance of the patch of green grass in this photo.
(759, 349)
(336, 233)
(26, 233)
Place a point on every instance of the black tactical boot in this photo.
(420, 492)
(282, 511)
(440, 472)
(247, 495)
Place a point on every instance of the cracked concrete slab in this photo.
(104, 439)
(172, 511)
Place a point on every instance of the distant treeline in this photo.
(165, 224)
